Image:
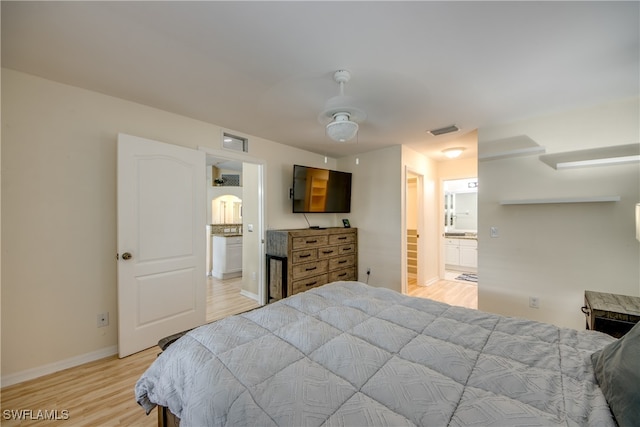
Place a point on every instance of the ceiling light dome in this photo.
(454, 152)
(341, 129)
(339, 114)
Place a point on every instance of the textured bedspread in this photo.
(347, 354)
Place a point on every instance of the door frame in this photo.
(410, 172)
(441, 227)
(261, 163)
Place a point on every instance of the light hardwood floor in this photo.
(100, 393)
(224, 298)
(454, 292)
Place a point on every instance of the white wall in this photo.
(59, 213)
(251, 259)
(557, 251)
(376, 203)
(378, 211)
(428, 250)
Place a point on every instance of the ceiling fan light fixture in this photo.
(339, 116)
(341, 129)
(453, 152)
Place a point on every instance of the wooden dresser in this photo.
(302, 259)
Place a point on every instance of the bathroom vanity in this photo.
(227, 256)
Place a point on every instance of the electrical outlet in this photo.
(103, 319)
(534, 302)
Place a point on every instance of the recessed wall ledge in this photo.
(549, 201)
(516, 146)
(604, 156)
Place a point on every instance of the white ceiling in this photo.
(265, 68)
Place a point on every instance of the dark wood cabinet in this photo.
(612, 314)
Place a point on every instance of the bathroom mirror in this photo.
(461, 205)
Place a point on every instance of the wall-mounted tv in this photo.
(318, 190)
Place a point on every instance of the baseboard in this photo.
(249, 295)
(50, 368)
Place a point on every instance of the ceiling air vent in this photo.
(442, 131)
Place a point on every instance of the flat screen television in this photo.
(318, 190)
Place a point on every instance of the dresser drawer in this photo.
(309, 282)
(309, 269)
(347, 249)
(338, 239)
(328, 251)
(342, 262)
(304, 256)
(309, 242)
(345, 274)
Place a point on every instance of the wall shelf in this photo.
(598, 199)
(615, 155)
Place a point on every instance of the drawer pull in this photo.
(312, 241)
(342, 261)
(305, 256)
(342, 274)
(327, 252)
(347, 249)
(310, 268)
(342, 238)
(311, 283)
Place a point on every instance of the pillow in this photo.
(617, 370)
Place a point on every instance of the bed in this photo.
(349, 354)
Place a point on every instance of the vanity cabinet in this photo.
(469, 253)
(227, 257)
(461, 254)
(298, 260)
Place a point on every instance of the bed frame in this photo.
(166, 418)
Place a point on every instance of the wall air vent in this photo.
(442, 131)
(237, 143)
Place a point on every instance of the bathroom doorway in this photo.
(460, 225)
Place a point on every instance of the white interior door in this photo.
(161, 241)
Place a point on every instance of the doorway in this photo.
(413, 228)
(460, 225)
(235, 228)
(226, 294)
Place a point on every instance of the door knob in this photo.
(127, 255)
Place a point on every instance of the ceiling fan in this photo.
(339, 114)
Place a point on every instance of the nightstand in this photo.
(611, 313)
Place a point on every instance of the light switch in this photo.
(494, 232)
(250, 228)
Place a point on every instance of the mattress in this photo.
(349, 354)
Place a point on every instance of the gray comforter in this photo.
(347, 354)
